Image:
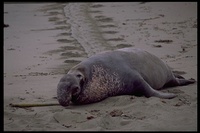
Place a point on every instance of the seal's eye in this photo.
(79, 76)
(81, 79)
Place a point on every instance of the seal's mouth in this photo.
(64, 101)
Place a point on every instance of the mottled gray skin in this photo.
(127, 71)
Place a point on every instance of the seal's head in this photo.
(68, 88)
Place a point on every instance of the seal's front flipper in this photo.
(163, 95)
(148, 91)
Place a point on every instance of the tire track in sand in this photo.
(68, 48)
(84, 28)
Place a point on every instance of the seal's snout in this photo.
(63, 94)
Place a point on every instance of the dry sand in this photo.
(43, 41)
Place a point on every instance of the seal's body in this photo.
(127, 71)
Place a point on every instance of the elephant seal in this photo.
(126, 71)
